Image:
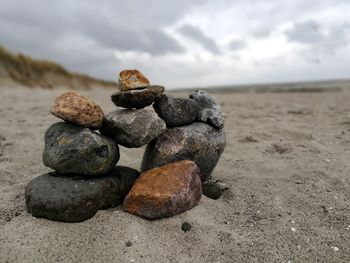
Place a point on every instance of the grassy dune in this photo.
(40, 73)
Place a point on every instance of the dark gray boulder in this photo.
(132, 128)
(137, 98)
(71, 149)
(198, 142)
(176, 111)
(209, 109)
(77, 198)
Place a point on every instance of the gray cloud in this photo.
(324, 39)
(83, 35)
(151, 40)
(237, 45)
(262, 33)
(307, 32)
(121, 25)
(49, 30)
(196, 34)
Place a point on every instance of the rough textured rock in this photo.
(132, 79)
(176, 111)
(209, 111)
(165, 191)
(77, 198)
(138, 98)
(132, 128)
(74, 108)
(70, 149)
(198, 142)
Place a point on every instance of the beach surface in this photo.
(286, 163)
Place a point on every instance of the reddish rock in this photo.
(132, 79)
(165, 191)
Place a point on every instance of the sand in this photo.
(287, 163)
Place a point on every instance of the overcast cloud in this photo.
(197, 35)
(187, 42)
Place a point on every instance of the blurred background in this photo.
(185, 43)
(279, 69)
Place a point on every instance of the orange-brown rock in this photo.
(165, 191)
(132, 79)
(77, 109)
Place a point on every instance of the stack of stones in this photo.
(184, 139)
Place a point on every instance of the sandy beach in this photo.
(286, 163)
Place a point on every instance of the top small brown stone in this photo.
(132, 79)
(75, 108)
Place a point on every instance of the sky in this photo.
(185, 43)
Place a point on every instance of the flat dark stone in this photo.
(176, 111)
(77, 198)
(198, 142)
(137, 98)
(71, 149)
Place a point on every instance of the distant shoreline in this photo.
(286, 87)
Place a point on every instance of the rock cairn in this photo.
(184, 139)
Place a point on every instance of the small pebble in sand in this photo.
(185, 227)
(336, 249)
(212, 190)
(128, 244)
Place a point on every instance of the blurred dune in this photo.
(20, 69)
(24, 70)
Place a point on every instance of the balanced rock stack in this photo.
(184, 139)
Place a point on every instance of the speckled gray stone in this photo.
(77, 198)
(198, 142)
(176, 111)
(209, 111)
(137, 98)
(132, 128)
(71, 149)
